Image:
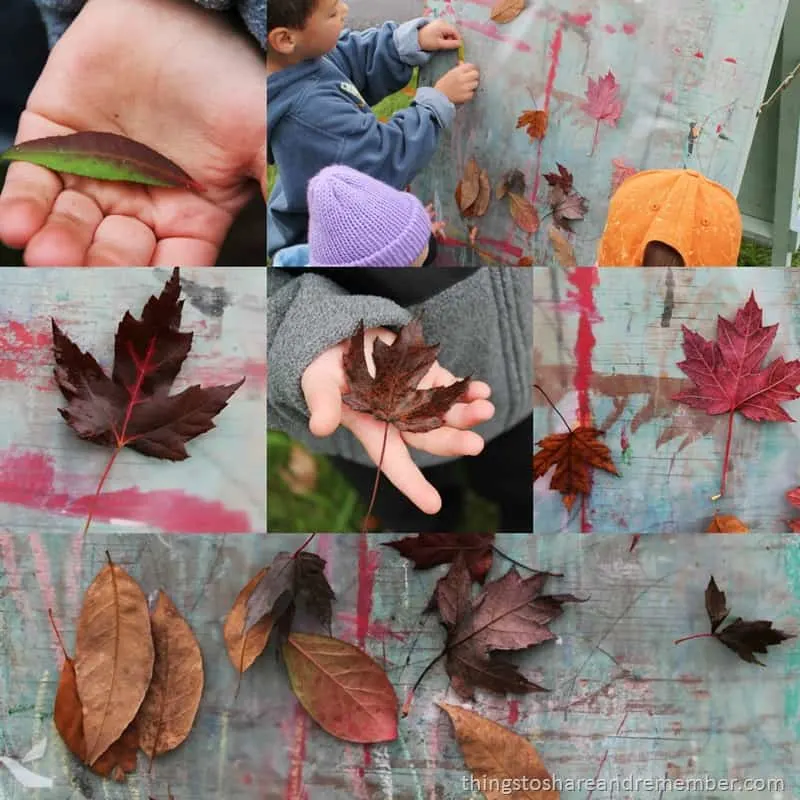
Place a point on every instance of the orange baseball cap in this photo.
(679, 207)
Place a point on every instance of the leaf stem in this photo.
(100, 484)
(525, 566)
(552, 405)
(377, 479)
(57, 633)
(727, 454)
(694, 636)
(303, 546)
(414, 688)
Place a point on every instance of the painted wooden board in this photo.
(691, 75)
(617, 332)
(625, 702)
(48, 475)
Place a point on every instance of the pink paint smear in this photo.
(489, 29)
(30, 480)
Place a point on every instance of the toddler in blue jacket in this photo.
(321, 83)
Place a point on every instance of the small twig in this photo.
(552, 405)
(303, 546)
(695, 636)
(377, 479)
(781, 87)
(525, 566)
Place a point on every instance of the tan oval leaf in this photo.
(243, 649)
(507, 10)
(524, 214)
(726, 523)
(170, 705)
(469, 186)
(481, 204)
(113, 658)
(500, 755)
(342, 688)
(562, 247)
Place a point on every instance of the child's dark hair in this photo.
(289, 13)
(658, 254)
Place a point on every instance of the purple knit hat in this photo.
(357, 221)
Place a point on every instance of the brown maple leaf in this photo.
(509, 614)
(563, 178)
(573, 454)
(567, 207)
(134, 408)
(428, 550)
(512, 181)
(726, 523)
(534, 122)
(391, 395)
(743, 637)
(793, 496)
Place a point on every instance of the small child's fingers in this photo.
(25, 203)
(324, 401)
(466, 415)
(446, 442)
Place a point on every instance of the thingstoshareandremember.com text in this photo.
(627, 784)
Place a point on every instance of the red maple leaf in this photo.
(563, 178)
(728, 376)
(428, 550)
(793, 497)
(603, 103)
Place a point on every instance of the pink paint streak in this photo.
(609, 29)
(41, 567)
(367, 566)
(513, 711)
(490, 30)
(581, 20)
(13, 577)
(669, 97)
(30, 480)
(379, 631)
(584, 279)
(20, 350)
(730, 60)
(699, 54)
(629, 28)
(295, 790)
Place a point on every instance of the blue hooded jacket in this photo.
(318, 114)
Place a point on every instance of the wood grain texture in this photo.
(624, 700)
(48, 475)
(621, 335)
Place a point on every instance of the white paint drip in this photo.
(405, 586)
(418, 795)
(223, 752)
(383, 770)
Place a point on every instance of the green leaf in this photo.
(104, 156)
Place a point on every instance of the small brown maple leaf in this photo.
(563, 178)
(428, 550)
(573, 454)
(726, 523)
(534, 122)
(793, 496)
(744, 637)
(391, 395)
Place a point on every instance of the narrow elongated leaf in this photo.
(499, 757)
(342, 688)
(173, 697)
(103, 156)
(244, 647)
(113, 658)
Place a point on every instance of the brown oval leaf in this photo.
(244, 648)
(481, 204)
(523, 213)
(170, 705)
(507, 10)
(562, 247)
(499, 755)
(113, 658)
(469, 186)
(342, 688)
(726, 523)
(102, 156)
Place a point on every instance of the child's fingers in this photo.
(324, 401)
(466, 415)
(446, 442)
(27, 198)
(397, 466)
(120, 241)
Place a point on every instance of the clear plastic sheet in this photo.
(691, 74)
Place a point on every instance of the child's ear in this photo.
(281, 40)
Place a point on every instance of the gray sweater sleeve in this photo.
(58, 14)
(484, 325)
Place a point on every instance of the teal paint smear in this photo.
(792, 698)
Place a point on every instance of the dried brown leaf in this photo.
(726, 523)
(245, 647)
(562, 247)
(507, 10)
(170, 706)
(523, 212)
(468, 187)
(534, 122)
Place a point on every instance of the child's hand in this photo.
(460, 83)
(173, 76)
(323, 384)
(439, 35)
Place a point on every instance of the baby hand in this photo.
(459, 84)
(439, 35)
(323, 384)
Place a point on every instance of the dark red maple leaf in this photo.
(133, 408)
(603, 103)
(510, 613)
(428, 550)
(728, 376)
(563, 178)
(743, 637)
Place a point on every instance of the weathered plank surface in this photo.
(624, 700)
(617, 332)
(48, 475)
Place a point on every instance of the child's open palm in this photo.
(323, 384)
(173, 76)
